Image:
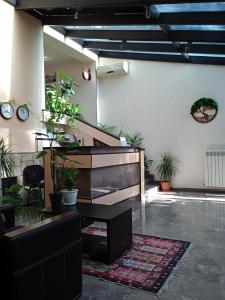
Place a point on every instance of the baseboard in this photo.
(200, 190)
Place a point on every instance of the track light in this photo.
(147, 13)
(123, 44)
(187, 47)
(76, 16)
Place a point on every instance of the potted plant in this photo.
(69, 178)
(166, 170)
(58, 103)
(149, 178)
(7, 165)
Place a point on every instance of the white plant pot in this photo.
(69, 196)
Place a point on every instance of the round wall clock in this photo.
(22, 113)
(204, 110)
(86, 74)
(6, 110)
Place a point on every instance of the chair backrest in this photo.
(33, 174)
(42, 261)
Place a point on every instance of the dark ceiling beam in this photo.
(156, 47)
(35, 4)
(150, 35)
(168, 33)
(142, 56)
(198, 18)
(163, 58)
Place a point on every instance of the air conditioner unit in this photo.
(120, 68)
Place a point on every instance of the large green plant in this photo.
(167, 167)
(6, 159)
(58, 103)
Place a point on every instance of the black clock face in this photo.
(22, 113)
(7, 110)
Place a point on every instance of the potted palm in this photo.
(166, 170)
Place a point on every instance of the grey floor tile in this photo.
(195, 217)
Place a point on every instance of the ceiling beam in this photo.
(163, 58)
(150, 35)
(35, 4)
(156, 47)
(197, 18)
(142, 56)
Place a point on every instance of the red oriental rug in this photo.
(146, 266)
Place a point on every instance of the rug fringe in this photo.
(177, 270)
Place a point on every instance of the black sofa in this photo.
(42, 261)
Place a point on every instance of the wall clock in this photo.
(22, 113)
(6, 110)
(204, 110)
(86, 74)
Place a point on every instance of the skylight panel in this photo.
(207, 55)
(198, 27)
(191, 7)
(116, 27)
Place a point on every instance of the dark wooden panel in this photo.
(110, 179)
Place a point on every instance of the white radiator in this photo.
(215, 168)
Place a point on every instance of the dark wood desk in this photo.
(118, 220)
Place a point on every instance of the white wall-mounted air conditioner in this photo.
(120, 68)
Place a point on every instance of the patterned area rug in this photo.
(146, 266)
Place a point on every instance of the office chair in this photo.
(33, 177)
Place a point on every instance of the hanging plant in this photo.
(204, 110)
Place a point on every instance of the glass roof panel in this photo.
(191, 7)
(101, 40)
(124, 27)
(197, 27)
(206, 55)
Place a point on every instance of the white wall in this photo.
(155, 98)
(22, 73)
(86, 92)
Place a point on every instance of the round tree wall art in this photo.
(204, 110)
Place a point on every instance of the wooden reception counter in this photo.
(107, 175)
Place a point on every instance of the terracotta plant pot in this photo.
(165, 186)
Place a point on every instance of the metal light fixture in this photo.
(76, 16)
(147, 12)
(123, 44)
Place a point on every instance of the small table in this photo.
(119, 230)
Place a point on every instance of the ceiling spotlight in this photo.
(76, 16)
(187, 47)
(147, 13)
(123, 45)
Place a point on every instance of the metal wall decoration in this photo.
(204, 110)
(86, 74)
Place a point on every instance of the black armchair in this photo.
(33, 177)
(42, 261)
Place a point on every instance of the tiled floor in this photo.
(199, 218)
